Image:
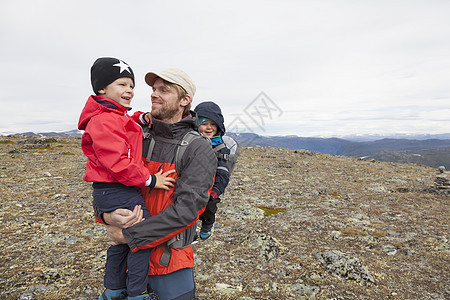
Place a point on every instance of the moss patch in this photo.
(272, 210)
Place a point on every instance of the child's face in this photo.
(120, 90)
(208, 128)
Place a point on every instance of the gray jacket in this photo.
(176, 210)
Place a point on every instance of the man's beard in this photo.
(165, 113)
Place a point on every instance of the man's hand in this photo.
(115, 235)
(124, 218)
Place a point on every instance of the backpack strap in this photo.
(167, 140)
(147, 136)
(150, 150)
(175, 242)
(190, 136)
(219, 147)
(158, 139)
(182, 145)
(180, 241)
(221, 155)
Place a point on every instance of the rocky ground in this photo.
(293, 224)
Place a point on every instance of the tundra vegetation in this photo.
(293, 224)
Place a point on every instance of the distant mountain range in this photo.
(74, 132)
(429, 157)
(323, 145)
(375, 137)
(429, 150)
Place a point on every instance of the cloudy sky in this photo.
(276, 67)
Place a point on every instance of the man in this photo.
(177, 210)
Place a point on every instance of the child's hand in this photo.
(148, 119)
(163, 181)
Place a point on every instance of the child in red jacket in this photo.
(112, 143)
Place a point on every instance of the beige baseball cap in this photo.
(173, 75)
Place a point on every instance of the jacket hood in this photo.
(95, 105)
(211, 110)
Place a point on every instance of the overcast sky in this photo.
(308, 68)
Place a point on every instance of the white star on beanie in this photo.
(123, 66)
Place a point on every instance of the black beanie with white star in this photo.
(106, 70)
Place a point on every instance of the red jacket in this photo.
(112, 143)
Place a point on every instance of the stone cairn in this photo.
(441, 181)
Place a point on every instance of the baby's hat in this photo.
(106, 70)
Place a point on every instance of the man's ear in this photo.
(101, 92)
(185, 100)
